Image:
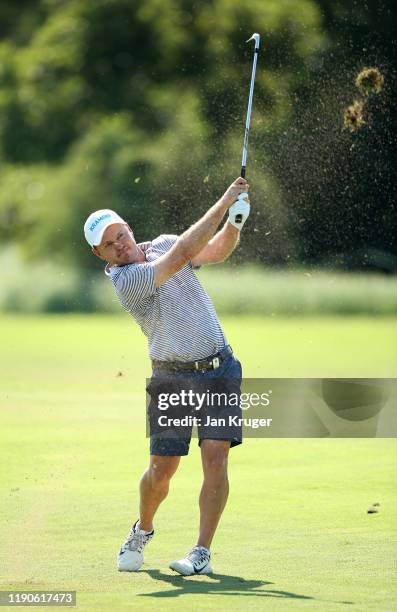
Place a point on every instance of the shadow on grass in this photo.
(215, 584)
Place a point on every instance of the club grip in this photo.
(242, 173)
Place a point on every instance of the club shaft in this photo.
(248, 119)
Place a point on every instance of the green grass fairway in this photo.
(295, 534)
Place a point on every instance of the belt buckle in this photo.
(215, 363)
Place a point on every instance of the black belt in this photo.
(210, 363)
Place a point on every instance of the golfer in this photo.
(156, 283)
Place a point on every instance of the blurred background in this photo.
(139, 106)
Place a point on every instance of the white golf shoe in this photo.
(130, 557)
(196, 562)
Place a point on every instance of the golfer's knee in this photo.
(215, 463)
(162, 471)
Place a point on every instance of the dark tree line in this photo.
(140, 106)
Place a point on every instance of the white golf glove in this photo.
(239, 211)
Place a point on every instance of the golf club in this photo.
(256, 37)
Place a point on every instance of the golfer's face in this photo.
(118, 245)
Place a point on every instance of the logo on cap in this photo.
(98, 220)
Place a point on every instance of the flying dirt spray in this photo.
(369, 81)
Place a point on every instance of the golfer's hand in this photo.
(239, 211)
(231, 194)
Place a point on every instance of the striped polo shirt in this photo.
(178, 317)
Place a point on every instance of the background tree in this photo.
(139, 106)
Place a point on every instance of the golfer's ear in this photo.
(94, 249)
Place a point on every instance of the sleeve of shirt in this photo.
(135, 283)
(170, 240)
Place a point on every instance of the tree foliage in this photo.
(140, 106)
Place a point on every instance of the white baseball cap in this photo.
(96, 224)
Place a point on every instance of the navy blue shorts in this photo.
(215, 412)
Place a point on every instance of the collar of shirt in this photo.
(142, 245)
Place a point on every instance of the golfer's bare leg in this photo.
(215, 489)
(154, 487)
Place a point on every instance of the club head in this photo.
(256, 37)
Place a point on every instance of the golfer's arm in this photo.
(189, 244)
(219, 247)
